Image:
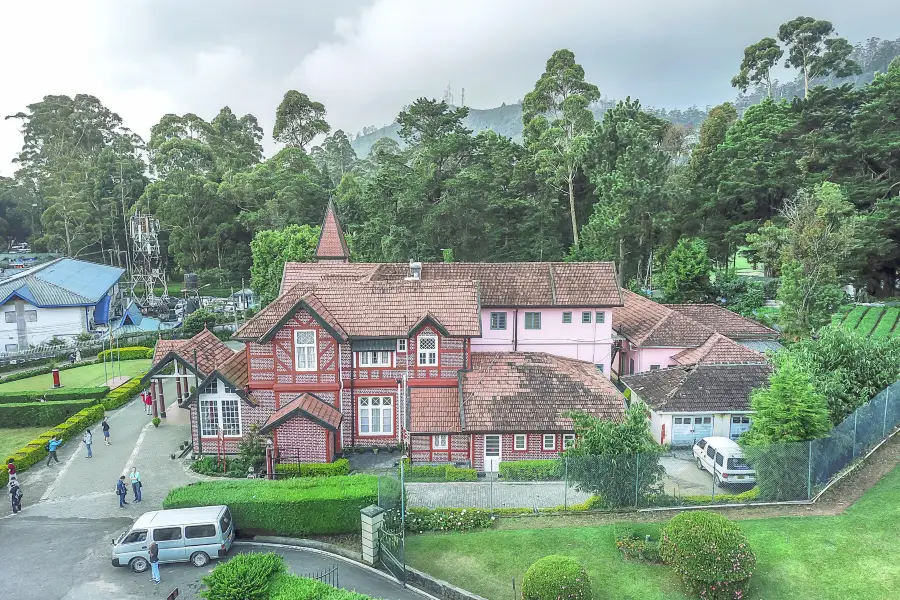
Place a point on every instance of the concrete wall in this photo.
(65, 322)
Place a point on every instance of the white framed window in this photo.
(427, 347)
(305, 350)
(498, 320)
(401, 345)
(10, 316)
(212, 387)
(532, 320)
(376, 415)
(373, 358)
(567, 317)
(224, 413)
(654, 367)
(586, 317)
(520, 442)
(568, 440)
(601, 316)
(440, 442)
(549, 441)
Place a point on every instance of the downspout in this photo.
(196, 387)
(516, 331)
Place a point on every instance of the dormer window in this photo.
(427, 349)
(374, 358)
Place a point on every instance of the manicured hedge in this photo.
(36, 449)
(452, 473)
(438, 472)
(287, 470)
(124, 393)
(290, 507)
(749, 496)
(710, 553)
(421, 520)
(530, 470)
(127, 353)
(556, 578)
(40, 414)
(54, 395)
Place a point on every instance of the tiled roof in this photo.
(649, 324)
(534, 391)
(434, 410)
(163, 347)
(62, 282)
(375, 309)
(309, 406)
(331, 239)
(502, 284)
(718, 349)
(212, 353)
(700, 388)
(721, 320)
(235, 370)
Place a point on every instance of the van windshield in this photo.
(737, 463)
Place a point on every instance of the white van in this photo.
(184, 534)
(724, 459)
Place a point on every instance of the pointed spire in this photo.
(332, 246)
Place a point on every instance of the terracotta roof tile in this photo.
(307, 405)
(533, 391)
(721, 320)
(376, 309)
(434, 410)
(701, 388)
(334, 273)
(718, 349)
(647, 323)
(235, 370)
(331, 239)
(212, 353)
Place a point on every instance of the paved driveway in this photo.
(493, 494)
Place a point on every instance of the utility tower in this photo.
(147, 271)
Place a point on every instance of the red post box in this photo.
(56, 382)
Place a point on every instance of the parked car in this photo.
(724, 459)
(194, 535)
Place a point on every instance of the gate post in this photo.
(372, 518)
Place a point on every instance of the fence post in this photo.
(887, 402)
(855, 419)
(637, 479)
(565, 490)
(491, 492)
(809, 474)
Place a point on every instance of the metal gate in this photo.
(687, 430)
(391, 538)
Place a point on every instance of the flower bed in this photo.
(631, 540)
(420, 520)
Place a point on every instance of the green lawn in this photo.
(86, 376)
(853, 556)
(13, 439)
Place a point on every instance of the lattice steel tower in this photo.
(146, 263)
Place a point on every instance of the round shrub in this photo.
(710, 553)
(556, 578)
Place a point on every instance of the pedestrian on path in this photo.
(51, 449)
(105, 427)
(148, 403)
(136, 483)
(11, 466)
(88, 439)
(15, 494)
(154, 562)
(121, 491)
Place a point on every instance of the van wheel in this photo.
(199, 559)
(700, 464)
(139, 565)
(718, 482)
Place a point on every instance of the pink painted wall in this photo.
(645, 357)
(583, 341)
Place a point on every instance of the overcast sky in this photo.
(364, 59)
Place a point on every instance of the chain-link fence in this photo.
(785, 472)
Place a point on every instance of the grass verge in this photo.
(79, 377)
(11, 439)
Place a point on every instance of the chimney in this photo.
(415, 271)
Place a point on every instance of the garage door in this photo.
(687, 430)
(739, 424)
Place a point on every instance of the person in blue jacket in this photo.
(121, 491)
(51, 448)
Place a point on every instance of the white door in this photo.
(492, 453)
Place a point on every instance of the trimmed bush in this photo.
(124, 393)
(421, 520)
(53, 395)
(287, 470)
(244, 577)
(452, 473)
(710, 553)
(291, 507)
(749, 496)
(530, 470)
(40, 414)
(631, 540)
(127, 353)
(291, 587)
(437, 472)
(556, 578)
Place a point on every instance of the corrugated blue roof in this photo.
(101, 311)
(63, 282)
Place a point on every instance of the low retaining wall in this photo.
(436, 587)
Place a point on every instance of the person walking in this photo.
(51, 449)
(148, 403)
(105, 427)
(87, 440)
(154, 562)
(136, 484)
(121, 491)
(11, 466)
(15, 494)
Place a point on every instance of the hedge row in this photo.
(127, 353)
(54, 395)
(123, 393)
(41, 414)
(36, 449)
(290, 507)
(43, 370)
(438, 472)
(288, 470)
(420, 520)
(748, 496)
(530, 470)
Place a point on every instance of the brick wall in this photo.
(273, 361)
(422, 451)
(351, 418)
(250, 415)
(534, 449)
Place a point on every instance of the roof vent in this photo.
(415, 271)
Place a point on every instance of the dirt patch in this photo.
(840, 496)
